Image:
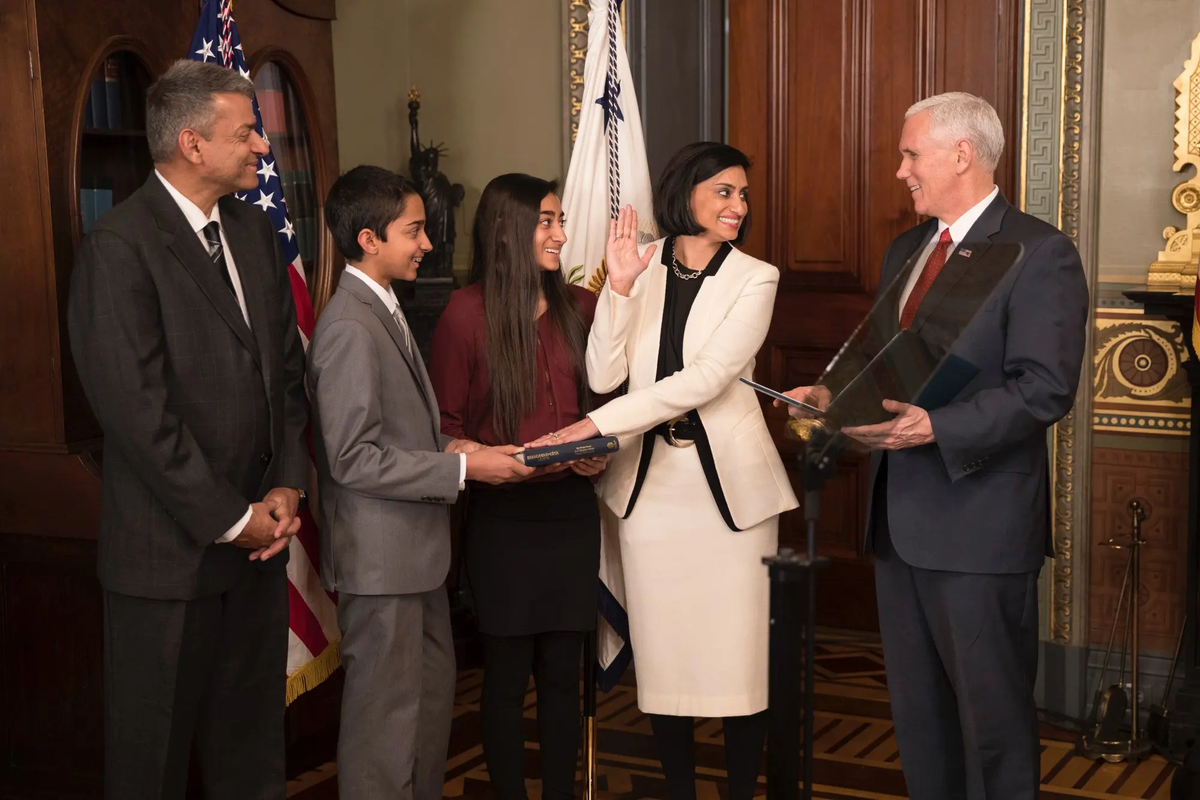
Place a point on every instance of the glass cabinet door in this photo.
(286, 128)
(114, 159)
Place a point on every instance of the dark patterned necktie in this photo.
(212, 235)
(933, 266)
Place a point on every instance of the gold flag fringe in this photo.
(311, 675)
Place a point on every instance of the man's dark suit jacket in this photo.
(201, 415)
(976, 500)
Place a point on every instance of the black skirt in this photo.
(533, 556)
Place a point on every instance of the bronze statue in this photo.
(441, 197)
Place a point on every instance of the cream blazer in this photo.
(725, 329)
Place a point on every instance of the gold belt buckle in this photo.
(671, 440)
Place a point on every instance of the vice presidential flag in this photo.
(608, 170)
(312, 613)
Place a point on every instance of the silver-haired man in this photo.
(184, 334)
(959, 516)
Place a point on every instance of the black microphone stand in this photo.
(793, 614)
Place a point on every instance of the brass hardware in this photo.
(589, 758)
(803, 428)
(1107, 737)
(671, 440)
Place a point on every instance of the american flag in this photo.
(312, 619)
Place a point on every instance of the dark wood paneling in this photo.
(818, 234)
(749, 65)
(51, 616)
(817, 95)
(986, 63)
(894, 38)
(49, 494)
(27, 396)
(315, 9)
(50, 609)
(72, 40)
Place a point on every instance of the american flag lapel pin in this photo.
(965, 253)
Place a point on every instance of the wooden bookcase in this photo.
(52, 146)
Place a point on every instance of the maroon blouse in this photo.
(458, 369)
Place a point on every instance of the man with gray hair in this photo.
(959, 513)
(184, 335)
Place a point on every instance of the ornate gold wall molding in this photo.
(1072, 83)
(1177, 263)
(575, 33)
(1138, 367)
(1067, 508)
(1041, 128)
(575, 23)
(1052, 142)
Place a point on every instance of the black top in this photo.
(678, 304)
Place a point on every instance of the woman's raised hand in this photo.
(621, 252)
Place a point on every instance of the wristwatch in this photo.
(303, 500)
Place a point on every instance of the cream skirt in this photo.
(697, 595)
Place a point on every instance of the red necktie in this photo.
(937, 260)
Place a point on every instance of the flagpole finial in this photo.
(414, 96)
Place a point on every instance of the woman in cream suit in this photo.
(698, 483)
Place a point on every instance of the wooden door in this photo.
(817, 95)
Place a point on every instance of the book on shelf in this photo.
(95, 198)
(97, 106)
(112, 92)
(102, 197)
(87, 209)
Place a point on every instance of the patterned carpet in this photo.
(856, 753)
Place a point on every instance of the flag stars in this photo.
(268, 170)
(264, 200)
(240, 196)
(611, 102)
(287, 229)
(245, 73)
(205, 52)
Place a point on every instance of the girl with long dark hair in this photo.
(508, 367)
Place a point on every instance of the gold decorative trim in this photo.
(314, 672)
(1024, 178)
(577, 40)
(1068, 213)
(1063, 489)
(576, 31)
(1176, 266)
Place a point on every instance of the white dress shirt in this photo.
(958, 230)
(388, 296)
(198, 220)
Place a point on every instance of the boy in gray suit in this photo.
(387, 478)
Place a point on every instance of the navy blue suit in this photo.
(961, 527)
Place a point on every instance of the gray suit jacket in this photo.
(976, 500)
(201, 414)
(386, 483)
